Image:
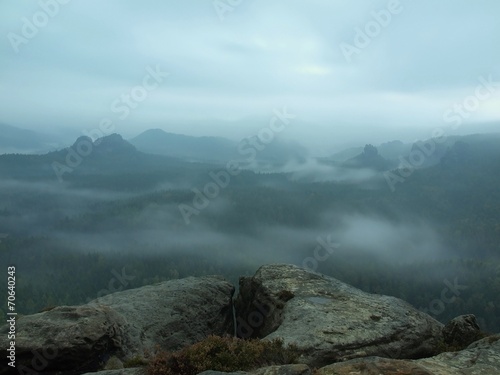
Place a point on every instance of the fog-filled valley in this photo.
(406, 220)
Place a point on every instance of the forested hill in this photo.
(109, 162)
(157, 141)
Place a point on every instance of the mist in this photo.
(313, 171)
(158, 228)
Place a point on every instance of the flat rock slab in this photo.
(79, 339)
(283, 370)
(270, 370)
(173, 314)
(480, 358)
(329, 320)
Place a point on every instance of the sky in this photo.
(351, 71)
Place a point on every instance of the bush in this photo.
(222, 354)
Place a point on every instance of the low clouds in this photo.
(405, 240)
(313, 171)
(34, 208)
(53, 211)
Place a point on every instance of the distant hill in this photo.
(17, 140)
(389, 150)
(219, 150)
(275, 154)
(393, 150)
(157, 141)
(108, 162)
(342, 156)
(370, 159)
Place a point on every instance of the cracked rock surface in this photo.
(329, 320)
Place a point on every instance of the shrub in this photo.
(222, 354)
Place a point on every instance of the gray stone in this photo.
(461, 331)
(374, 366)
(126, 324)
(172, 314)
(331, 321)
(65, 338)
(480, 358)
(270, 370)
(283, 370)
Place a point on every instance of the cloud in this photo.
(265, 54)
(405, 240)
(313, 171)
(58, 213)
(33, 208)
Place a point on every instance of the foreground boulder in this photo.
(461, 331)
(480, 358)
(126, 324)
(331, 321)
(173, 314)
(65, 336)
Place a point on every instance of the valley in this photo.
(162, 217)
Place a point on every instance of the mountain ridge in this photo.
(158, 141)
(17, 140)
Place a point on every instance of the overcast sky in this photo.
(230, 67)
